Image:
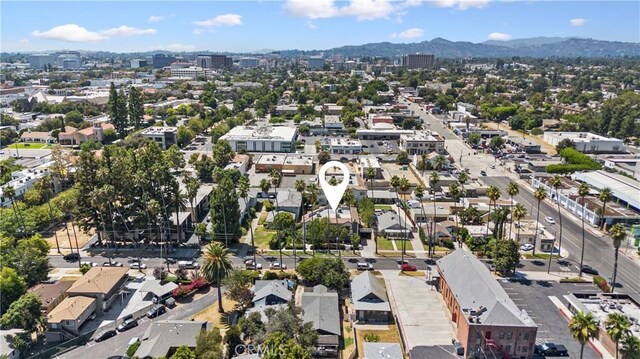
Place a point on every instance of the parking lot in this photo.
(533, 296)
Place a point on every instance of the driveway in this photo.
(422, 316)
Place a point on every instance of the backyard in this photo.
(28, 145)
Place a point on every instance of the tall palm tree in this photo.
(424, 163)
(617, 233)
(395, 183)
(462, 179)
(433, 181)
(455, 193)
(301, 187)
(216, 266)
(518, 213)
(583, 327)
(404, 187)
(243, 192)
(630, 346)
(540, 194)
(275, 177)
(439, 162)
(617, 326)
(370, 175)
(44, 186)
(512, 190)
(583, 191)
(556, 182)
(192, 185)
(10, 192)
(419, 193)
(604, 196)
(493, 193)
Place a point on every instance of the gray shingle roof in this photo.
(163, 335)
(382, 351)
(392, 220)
(320, 307)
(473, 286)
(367, 284)
(264, 288)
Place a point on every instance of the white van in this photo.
(188, 265)
(364, 266)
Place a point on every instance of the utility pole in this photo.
(553, 245)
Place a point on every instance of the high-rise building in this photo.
(138, 63)
(315, 63)
(162, 60)
(39, 61)
(418, 61)
(248, 63)
(214, 61)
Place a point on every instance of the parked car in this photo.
(127, 324)
(408, 268)
(551, 350)
(188, 265)
(550, 220)
(156, 311)
(251, 265)
(112, 264)
(589, 270)
(87, 263)
(364, 266)
(71, 257)
(526, 247)
(138, 266)
(105, 335)
(457, 347)
(483, 173)
(172, 260)
(277, 265)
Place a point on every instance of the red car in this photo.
(408, 268)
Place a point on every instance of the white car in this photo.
(550, 220)
(526, 247)
(277, 265)
(137, 266)
(249, 264)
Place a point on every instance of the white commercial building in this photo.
(22, 181)
(346, 146)
(191, 72)
(421, 142)
(164, 136)
(262, 139)
(586, 142)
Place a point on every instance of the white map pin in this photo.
(334, 193)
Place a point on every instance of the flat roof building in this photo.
(418, 61)
(262, 139)
(164, 136)
(346, 146)
(586, 142)
(421, 142)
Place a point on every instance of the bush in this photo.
(185, 289)
(371, 338)
(181, 274)
(448, 243)
(601, 283)
(159, 273)
(132, 349)
(269, 275)
(84, 268)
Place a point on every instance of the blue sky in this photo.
(301, 24)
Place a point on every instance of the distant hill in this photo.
(534, 47)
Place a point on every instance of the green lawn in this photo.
(27, 145)
(385, 244)
(384, 207)
(538, 256)
(262, 237)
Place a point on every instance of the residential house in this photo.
(70, 314)
(39, 137)
(370, 298)
(240, 162)
(153, 288)
(274, 294)
(382, 350)
(343, 215)
(485, 318)
(285, 199)
(74, 137)
(102, 283)
(51, 294)
(393, 225)
(6, 343)
(163, 338)
(320, 307)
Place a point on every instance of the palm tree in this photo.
(583, 327)
(419, 193)
(583, 191)
(617, 326)
(424, 162)
(265, 185)
(439, 162)
(395, 183)
(617, 233)
(462, 179)
(370, 175)
(433, 181)
(10, 192)
(455, 193)
(630, 346)
(301, 187)
(43, 186)
(275, 177)
(540, 194)
(604, 196)
(177, 200)
(216, 266)
(518, 213)
(493, 193)
(512, 190)
(192, 185)
(243, 192)
(556, 182)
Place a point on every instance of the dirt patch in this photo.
(547, 148)
(388, 335)
(67, 246)
(211, 314)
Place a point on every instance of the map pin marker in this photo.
(334, 193)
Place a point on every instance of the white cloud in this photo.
(153, 18)
(499, 36)
(461, 4)
(311, 24)
(77, 33)
(221, 20)
(23, 41)
(70, 33)
(198, 31)
(126, 31)
(315, 9)
(368, 9)
(578, 21)
(412, 33)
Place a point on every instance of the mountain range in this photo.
(540, 47)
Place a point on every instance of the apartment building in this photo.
(164, 136)
(262, 139)
(418, 61)
(586, 142)
(346, 146)
(421, 142)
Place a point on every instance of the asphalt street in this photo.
(598, 252)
